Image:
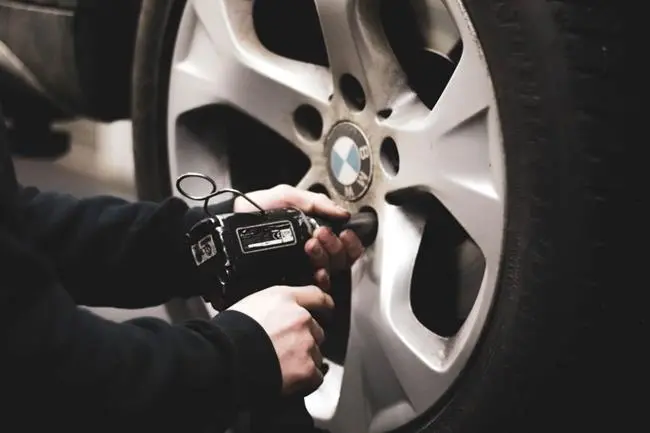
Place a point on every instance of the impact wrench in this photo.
(250, 251)
(243, 253)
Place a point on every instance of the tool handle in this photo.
(363, 224)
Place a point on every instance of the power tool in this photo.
(250, 251)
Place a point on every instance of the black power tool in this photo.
(248, 252)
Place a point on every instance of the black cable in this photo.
(214, 191)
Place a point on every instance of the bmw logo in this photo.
(349, 160)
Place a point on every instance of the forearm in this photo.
(110, 252)
(73, 362)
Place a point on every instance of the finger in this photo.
(322, 278)
(352, 244)
(317, 332)
(316, 253)
(312, 298)
(322, 204)
(318, 375)
(320, 365)
(317, 356)
(334, 248)
(315, 381)
(312, 202)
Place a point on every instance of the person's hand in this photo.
(283, 312)
(329, 253)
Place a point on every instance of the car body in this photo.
(66, 58)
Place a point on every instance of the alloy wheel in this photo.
(426, 166)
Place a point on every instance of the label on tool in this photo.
(269, 236)
(204, 250)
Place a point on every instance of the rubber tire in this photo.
(555, 66)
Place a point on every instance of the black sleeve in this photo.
(111, 252)
(62, 361)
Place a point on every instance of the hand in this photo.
(283, 313)
(328, 253)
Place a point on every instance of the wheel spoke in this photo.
(390, 354)
(316, 174)
(440, 32)
(356, 46)
(220, 66)
(454, 154)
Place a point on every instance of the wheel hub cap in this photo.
(349, 160)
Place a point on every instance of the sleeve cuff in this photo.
(256, 368)
(198, 283)
(196, 214)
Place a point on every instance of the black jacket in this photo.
(61, 365)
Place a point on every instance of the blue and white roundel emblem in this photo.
(349, 161)
(345, 162)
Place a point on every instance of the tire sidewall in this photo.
(526, 373)
(152, 64)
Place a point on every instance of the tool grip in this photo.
(364, 224)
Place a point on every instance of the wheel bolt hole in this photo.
(385, 113)
(389, 156)
(319, 188)
(309, 122)
(352, 92)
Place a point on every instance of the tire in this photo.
(554, 66)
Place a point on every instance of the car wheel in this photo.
(473, 128)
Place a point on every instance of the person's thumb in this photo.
(312, 297)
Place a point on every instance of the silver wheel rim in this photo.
(395, 368)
